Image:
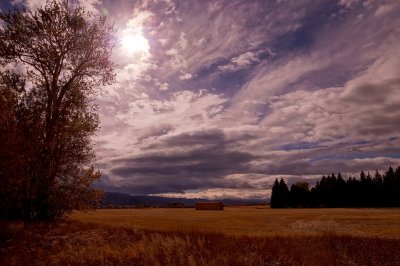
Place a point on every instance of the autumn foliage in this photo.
(52, 61)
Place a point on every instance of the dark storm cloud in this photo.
(320, 167)
(202, 161)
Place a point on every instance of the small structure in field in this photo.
(217, 206)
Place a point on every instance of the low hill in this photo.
(114, 199)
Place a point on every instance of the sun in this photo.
(134, 43)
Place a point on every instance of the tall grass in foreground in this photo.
(74, 243)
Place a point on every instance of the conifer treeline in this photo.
(333, 191)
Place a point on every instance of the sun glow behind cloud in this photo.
(133, 43)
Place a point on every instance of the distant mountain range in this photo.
(114, 199)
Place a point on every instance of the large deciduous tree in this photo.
(52, 61)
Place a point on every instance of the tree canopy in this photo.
(52, 61)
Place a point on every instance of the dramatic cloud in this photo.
(218, 98)
(240, 62)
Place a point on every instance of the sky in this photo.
(217, 99)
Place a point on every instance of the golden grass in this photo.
(235, 236)
(74, 243)
(254, 221)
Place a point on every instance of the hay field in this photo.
(254, 221)
(235, 236)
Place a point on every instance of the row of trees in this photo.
(334, 191)
(51, 61)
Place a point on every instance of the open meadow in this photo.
(236, 236)
(254, 220)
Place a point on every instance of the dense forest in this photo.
(334, 191)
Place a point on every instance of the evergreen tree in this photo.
(300, 195)
(275, 195)
(280, 194)
(284, 190)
